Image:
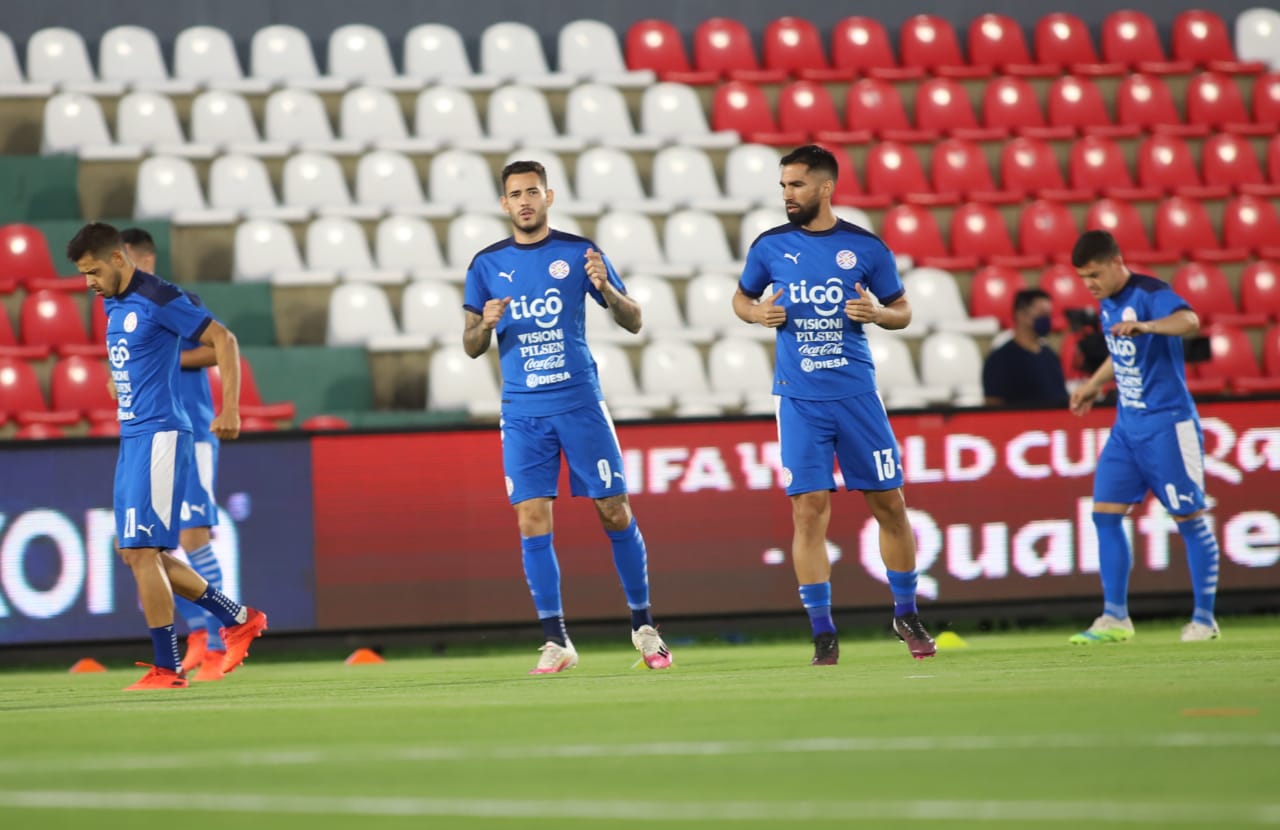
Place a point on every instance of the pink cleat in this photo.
(238, 638)
(650, 645)
(912, 632)
(556, 658)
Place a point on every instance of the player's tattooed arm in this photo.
(478, 333)
(626, 311)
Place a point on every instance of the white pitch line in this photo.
(1075, 812)
(367, 754)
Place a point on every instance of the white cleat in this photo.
(1198, 632)
(651, 648)
(556, 658)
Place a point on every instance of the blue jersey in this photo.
(193, 389)
(145, 327)
(1150, 371)
(822, 355)
(542, 339)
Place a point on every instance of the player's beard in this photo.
(533, 224)
(804, 214)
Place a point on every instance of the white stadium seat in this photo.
(240, 183)
(371, 116)
(936, 305)
(673, 112)
(263, 247)
(469, 233)
(696, 238)
(608, 176)
(674, 367)
(685, 176)
(282, 54)
(315, 181)
(598, 114)
(166, 187)
(618, 383)
(709, 300)
(149, 120)
(448, 114)
(433, 309)
(455, 381)
(1257, 36)
(896, 376)
(408, 243)
(222, 119)
(297, 117)
(751, 174)
(520, 114)
(435, 52)
(589, 49)
(73, 123)
(951, 360)
(131, 55)
(359, 53)
(59, 56)
(339, 244)
(359, 313)
(206, 55)
(512, 51)
(462, 181)
(661, 311)
(632, 244)
(743, 367)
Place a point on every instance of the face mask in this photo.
(1041, 325)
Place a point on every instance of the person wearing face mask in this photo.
(1025, 371)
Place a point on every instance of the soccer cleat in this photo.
(238, 638)
(197, 644)
(158, 678)
(1196, 632)
(826, 650)
(912, 632)
(1105, 629)
(211, 668)
(556, 658)
(651, 648)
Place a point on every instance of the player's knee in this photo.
(809, 508)
(134, 557)
(615, 512)
(888, 508)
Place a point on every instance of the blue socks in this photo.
(903, 586)
(224, 608)
(206, 564)
(816, 598)
(632, 561)
(1115, 560)
(1202, 562)
(542, 574)
(164, 641)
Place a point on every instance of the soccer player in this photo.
(146, 318)
(1156, 443)
(816, 280)
(531, 288)
(199, 512)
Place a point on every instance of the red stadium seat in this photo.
(656, 45)
(79, 385)
(1063, 40)
(723, 45)
(1010, 103)
(806, 107)
(1251, 222)
(1077, 102)
(51, 318)
(24, 256)
(1266, 98)
(1182, 224)
(1066, 290)
(991, 293)
(251, 405)
(893, 169)
(105, 429)
(961, 167)
(848, 190)
(1200, 37)
(861, 45)
(1228, 160)
(1231, 355)
(942, 104)
(1165, 162)
(793, 45)
(978, 230)
(1273, 159)
(1270, 381)
(320, 423)
(998, 41)
(39, 431)
(254, 423)
(1047, 229)
(744, 108)
(1097, 164)
(912, 230)
(1122, 220)
(10, 347)
(1206, 288)
(1029, 167)
(875, 104)
(929, 41)
(21, 398)
(97, 321)
(1145, 101)
(1214, 100)
(1260, 291)
(1130, 37)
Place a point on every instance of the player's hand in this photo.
(226, 425)
(769, 313)
(863, 309)
(493, 311)
(1129, 328)
(597, 272)
(1082, 398)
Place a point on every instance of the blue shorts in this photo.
(1165, 457)
(148, 475)
(198, 506)
(855, 431)
(531, 447)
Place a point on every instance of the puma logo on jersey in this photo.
(197, 508)
(795, 258)
(508, 275)
(147, 528)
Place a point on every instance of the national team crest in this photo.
(846, 259)
(558, 269)
(1129, 315)
(130, 321)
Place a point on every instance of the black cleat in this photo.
(826, 650)
(912, 632)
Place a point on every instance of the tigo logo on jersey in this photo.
(558, 269)
(544, 310)
(847, 259)
(119, 353)
(826, 299)
(131, 321)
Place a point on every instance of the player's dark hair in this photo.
(1024, 298)
(139, 240)
(515, 168)
(1094, 246)
(817, 159)
(97, 238)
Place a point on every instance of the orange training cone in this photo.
(364, 656)
(86, 665)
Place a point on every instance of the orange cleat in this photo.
(238, 638)
(197, 644)
(211, 668)
(158, 678)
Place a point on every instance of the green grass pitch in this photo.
(1018, 730)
